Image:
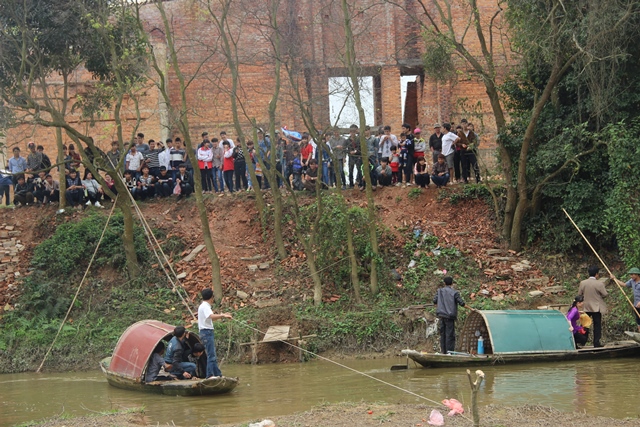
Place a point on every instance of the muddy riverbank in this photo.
(365, 414)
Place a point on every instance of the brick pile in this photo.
(10, 249)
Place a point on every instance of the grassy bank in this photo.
(109, 302)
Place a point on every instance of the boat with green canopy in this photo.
(518, 336)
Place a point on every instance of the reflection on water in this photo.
(600, 388)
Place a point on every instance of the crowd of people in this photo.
(158, 169)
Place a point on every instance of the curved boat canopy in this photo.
(136, 345)
(516, 331)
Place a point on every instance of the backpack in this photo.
(297, 166)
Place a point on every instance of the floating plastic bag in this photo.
(455, 406)
(436, 418)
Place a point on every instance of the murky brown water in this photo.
(607, 388)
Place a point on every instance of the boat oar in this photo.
(617, 282)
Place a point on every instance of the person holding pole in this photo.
(594, 293)
(206, 317)
(634, 284)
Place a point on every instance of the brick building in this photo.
(389, 45)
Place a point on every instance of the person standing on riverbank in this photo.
(206, 316)
(634, 284)
(594, 293)
(447, 301)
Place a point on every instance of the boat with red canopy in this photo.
(127, 367)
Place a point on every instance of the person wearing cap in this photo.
(634, 284)
(435, 142)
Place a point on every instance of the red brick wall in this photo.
(388, 42)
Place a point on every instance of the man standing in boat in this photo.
(447, 301)
(594, 293)
(206, 317)
(634, 284)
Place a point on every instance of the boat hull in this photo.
(431, 360)
(200, 387)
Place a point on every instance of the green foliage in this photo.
(414, 193)
(338, 326)
(623, 203)
(438, 57)
(332, 254)
(67, 252)
(95, 324)
(469, 191)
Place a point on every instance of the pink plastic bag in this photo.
(177, 190)
(455, 406)
(436, 418)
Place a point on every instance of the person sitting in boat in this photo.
(156, 364)
(580, 333)
(194, 356)
(175, 355)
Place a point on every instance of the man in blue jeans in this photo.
(206, 317)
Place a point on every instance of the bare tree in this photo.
(181, 113)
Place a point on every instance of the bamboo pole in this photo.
(615, 279)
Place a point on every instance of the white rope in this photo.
(152, 239)
(78, 290)
(351, 369)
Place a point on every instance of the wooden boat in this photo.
(634, 335)
(127, 367)
(519, 336)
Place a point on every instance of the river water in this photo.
(607, 388)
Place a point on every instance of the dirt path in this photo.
(374, 415)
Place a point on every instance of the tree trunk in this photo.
(61, 174)
(214, 260)
(522, 206)
(317, 283)
(183, 124)
(353, 261)
(355, 282)
(352, 66)
(277, 223)
(127, 237)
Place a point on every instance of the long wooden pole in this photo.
(615, 279)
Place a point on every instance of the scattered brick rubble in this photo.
(10, 267)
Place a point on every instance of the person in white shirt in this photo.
(205, 325)
(223, 138)
(134, 161)
(387, 140)
(165, 156)
(448, 146)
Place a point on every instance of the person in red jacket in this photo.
(227, 165)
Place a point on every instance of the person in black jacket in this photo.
(185, 180)
(447, 300)
(22, 192)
